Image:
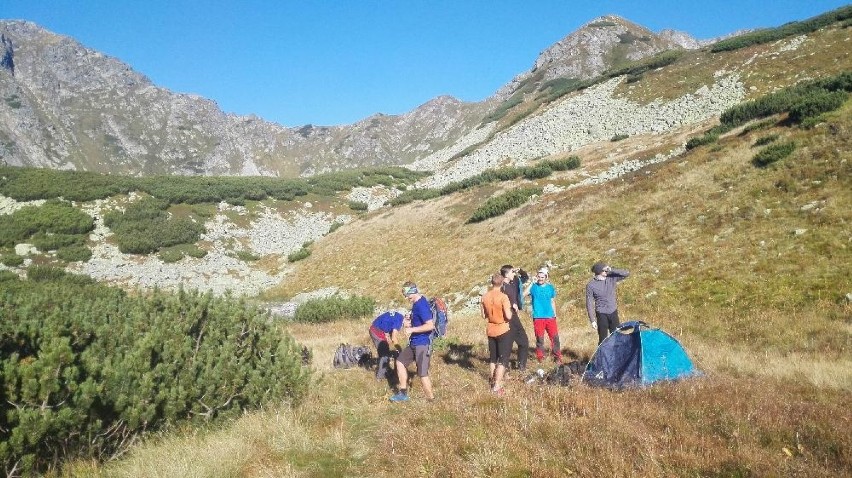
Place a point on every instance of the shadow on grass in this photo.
(459, 354)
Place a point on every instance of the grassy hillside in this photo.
(749, 267)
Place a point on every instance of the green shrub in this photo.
(806, 97)
(541, 169)
(24, 184)
(619, 137)
(133, 227)
(74, 253)
(764, 140)
(357, 206)
(773, 153)
(53, 217)
(706, 138)
(816, 103)
(87, 369)
(51, 242)
(334, 308)
(302, 253)
(334, 226)
(247, 256)
(8, 276)
(170, 255)
(498, 205)
(11, 260)
(639, 67)
(788, 30)
(194, 251)
(537, 172)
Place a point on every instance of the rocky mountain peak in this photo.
(600, 44)
(7, 54)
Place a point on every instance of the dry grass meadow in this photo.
(748, 267)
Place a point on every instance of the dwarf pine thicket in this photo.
(86, 367)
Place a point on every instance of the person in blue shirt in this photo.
(543, 304)
(418, 325)
(385, 331)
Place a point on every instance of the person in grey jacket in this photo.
(600, 298)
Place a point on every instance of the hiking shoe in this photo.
(399, 397)
(500, 392)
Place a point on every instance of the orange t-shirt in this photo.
(494, 302)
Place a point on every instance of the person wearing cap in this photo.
(497, 311)
(418, 325)
(385, 331)
(513, 287)
(543, 304)
(600, 298)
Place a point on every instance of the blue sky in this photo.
(337, 62)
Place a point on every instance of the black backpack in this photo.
(348, 356)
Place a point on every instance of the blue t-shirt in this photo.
(388, 322)
(542, 306)
(420, 314)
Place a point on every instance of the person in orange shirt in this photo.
(497, 310)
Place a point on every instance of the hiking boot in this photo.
(399, 397)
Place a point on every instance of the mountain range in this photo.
(66, 106)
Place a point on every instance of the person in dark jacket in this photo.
(513, 286)
(601, 303)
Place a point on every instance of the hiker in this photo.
(600, 298)
(513, 287)
(385, 334)
(497, 311)
(418, 325)
(543, 302)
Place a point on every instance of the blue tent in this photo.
(637, 355)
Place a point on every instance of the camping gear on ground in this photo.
(563, 374)
(636, 354)
(348, 356)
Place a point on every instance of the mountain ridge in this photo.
(70, 107)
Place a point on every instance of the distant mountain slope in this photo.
(66, 106)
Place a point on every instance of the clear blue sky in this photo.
(338, 61)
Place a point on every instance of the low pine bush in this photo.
(706, 138)
(74, 253)
(358, 206)
(302, 253)
(773, 153)
(816, 103)
(498, 205)
(788, 30)
(88, 368)
(11, 260)
(53, 217)
(334, 308)
(133, 227)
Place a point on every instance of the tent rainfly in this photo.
(637, 355)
